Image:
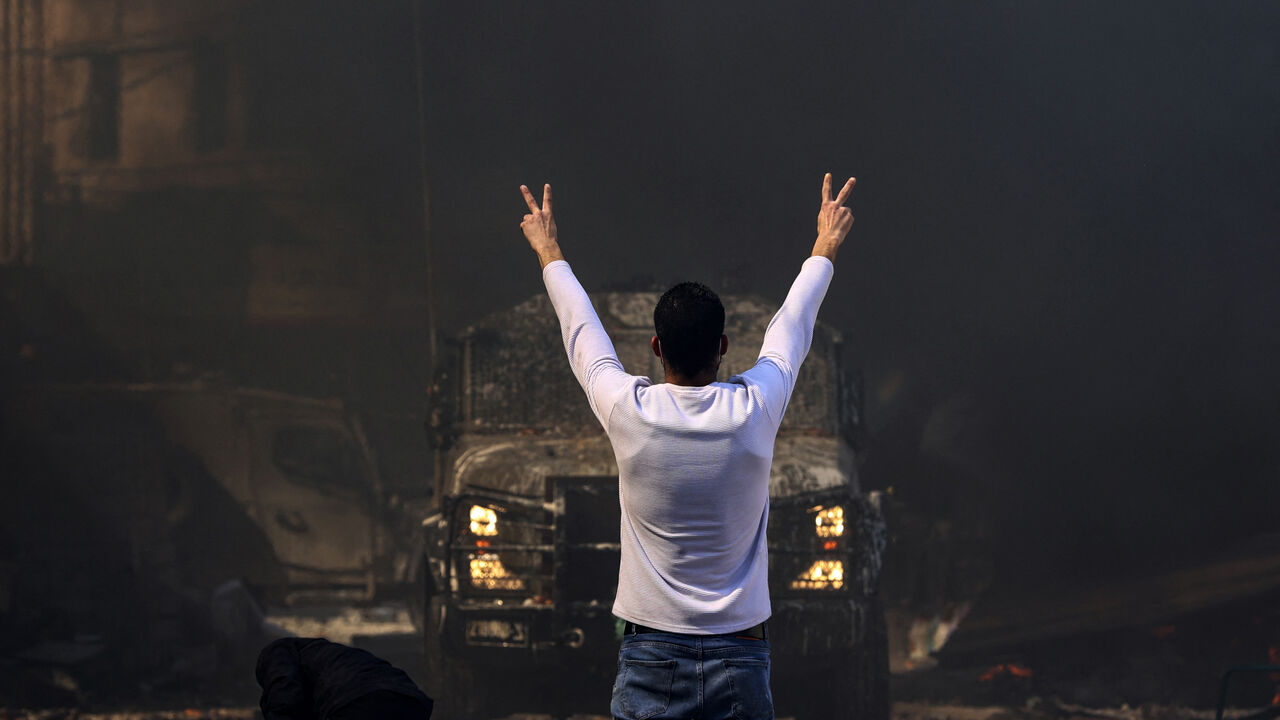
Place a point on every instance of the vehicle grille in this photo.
(587, 539)
(502, 548)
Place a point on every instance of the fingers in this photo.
(844, 191)
(533, 204)
(528, 198)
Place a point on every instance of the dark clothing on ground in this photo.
(314, 679)
(382, 705)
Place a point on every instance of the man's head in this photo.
(689, 322)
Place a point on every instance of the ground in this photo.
(1035, 709)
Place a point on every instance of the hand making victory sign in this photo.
(834, 219)
(539, 226)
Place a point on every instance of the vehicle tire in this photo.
(856, 685)
(436, 684)
(451, 682)
(873, 687)
(419, 597)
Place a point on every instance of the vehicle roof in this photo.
(516, 376)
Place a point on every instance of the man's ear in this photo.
(724, 344)
(657, 346)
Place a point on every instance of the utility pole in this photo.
(434, 418)
(416, 5)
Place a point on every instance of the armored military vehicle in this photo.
(521, 554)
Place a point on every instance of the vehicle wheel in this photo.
(437, 686)
(419, 596)
(855, 686)
(873, 685)
(451, 683)
(469, 703)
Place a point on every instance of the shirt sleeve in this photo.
(591, 353)
(787, 339)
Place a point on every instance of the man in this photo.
(693, 459)
(314, 679)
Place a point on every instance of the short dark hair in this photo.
(689, 320)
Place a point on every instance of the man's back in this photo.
(693, 468)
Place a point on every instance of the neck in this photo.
(702, 379)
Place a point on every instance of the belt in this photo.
(755, 632)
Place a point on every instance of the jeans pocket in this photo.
(643, 688)
(749, 687)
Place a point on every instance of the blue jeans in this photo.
(666, 676)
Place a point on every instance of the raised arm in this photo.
(591, 354)
(787, 340)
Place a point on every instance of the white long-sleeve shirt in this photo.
(693, 464)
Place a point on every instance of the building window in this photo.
(209, 96)
(102, 108)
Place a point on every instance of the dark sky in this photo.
(1066, 209)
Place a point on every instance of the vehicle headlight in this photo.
(488, 573)
(502, 548)
(829, 521)
(484, 521)
(814, 543)
(821, 575)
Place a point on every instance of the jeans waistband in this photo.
(755, 632)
